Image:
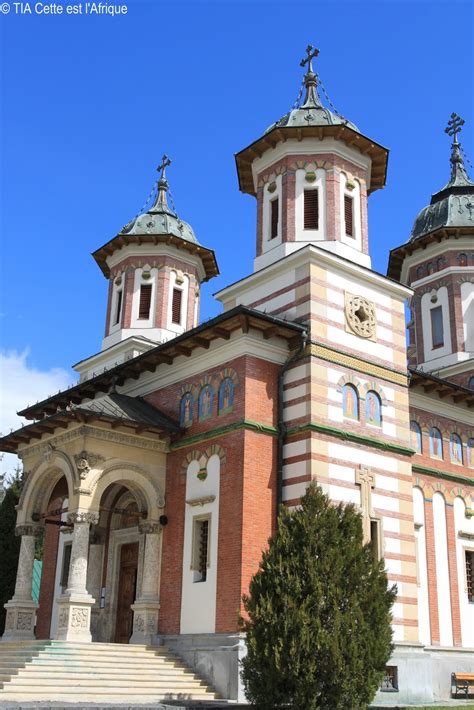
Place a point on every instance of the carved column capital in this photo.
(79, 516)
(28, 529)
(150, 528)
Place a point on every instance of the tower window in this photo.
(145, 301)
(274, 218)
(118, 308)
(200, 560)
(349, 215)
(176, 306)
(311, 209)
(470, 575)
(437, 335)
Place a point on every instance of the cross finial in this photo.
(312, 52)
(454, 126)
(165, 161)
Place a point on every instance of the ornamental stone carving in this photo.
(85, 461)
(150, 528)
(80, 516)
(79, 617)
(139, 623)
(63, 618)
(360, 316)
(28, 530)
(24, 621)
(152, 623)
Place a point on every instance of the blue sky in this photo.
(90, 104)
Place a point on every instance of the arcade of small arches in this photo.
(460, 453)
(102, 539)
(353, 394)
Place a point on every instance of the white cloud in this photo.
(21, 384)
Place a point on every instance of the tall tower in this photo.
(438, 263)
(311, 172)
(155, 267)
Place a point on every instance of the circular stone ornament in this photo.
(360, 316)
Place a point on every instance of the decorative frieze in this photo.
(149, 528)
(201, 501)
(80, 516)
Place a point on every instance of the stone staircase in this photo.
(66, 672)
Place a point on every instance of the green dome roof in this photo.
(311, 112)
(453, 206)
(160, 219)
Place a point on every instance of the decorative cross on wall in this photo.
(454, 126)
(312, 53)
(165, 161)
(366, 480)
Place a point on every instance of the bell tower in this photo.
(155, 267)
(311, 173)
(438, 263)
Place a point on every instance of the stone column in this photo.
(74, 606)
(21, 609)
(94, 581)
(145, 618)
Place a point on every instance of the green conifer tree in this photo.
(9, 544)
(318, 613)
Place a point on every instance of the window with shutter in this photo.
(176, 306)
(118, 310)
(349, 215)
(145, 301)
(274, 219)
(311, 209)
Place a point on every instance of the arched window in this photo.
(440, 263)
(350, 402)
(470, 453)
(373, 409)
(226, 395)
(470, 384)
(206, 397)
(420, 271)
(455, 448)
(416, 440)
(462, 259)
(436, 443)
(186, 409)
(430, 267)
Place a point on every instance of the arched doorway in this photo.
(118, 584)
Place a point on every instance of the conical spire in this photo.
(160, 206)
(312, 99)
(459, 176)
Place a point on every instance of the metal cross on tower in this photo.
(312, 53)
(454, 126)
(165, 161)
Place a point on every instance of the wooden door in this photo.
(126, 592)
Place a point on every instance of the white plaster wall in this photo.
(116, 289)
(465, 525)
(267, 243)
(144, 323)
(442, 570)
(356, 241)
(422, 584)
(174, 328)
(426, 306)
(310, 235)
(467, 301)
(198, 602)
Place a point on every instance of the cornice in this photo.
(456, 477)
(351, 436)
(326, 352)
(221, 431)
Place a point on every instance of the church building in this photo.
(156, 479)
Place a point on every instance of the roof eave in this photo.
(245, 157)
(120, 240)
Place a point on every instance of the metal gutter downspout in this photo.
(281, 426)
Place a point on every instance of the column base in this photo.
(74, 617)
(145, 621)
(20, 620)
